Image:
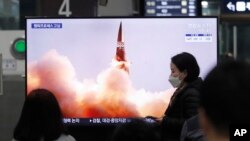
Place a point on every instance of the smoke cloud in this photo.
(110, 94)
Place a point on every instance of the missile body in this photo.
(120, 51)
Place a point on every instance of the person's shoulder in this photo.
(191, 92)
(193, 123)
(196, 84)
(64, 137)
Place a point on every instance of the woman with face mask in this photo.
(185, 100)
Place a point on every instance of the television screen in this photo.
(171, 8)
(111, 70)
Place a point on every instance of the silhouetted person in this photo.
(185, 100)
(41, 119)
(225, 99)
(137, 130)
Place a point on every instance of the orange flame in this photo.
(111, 95)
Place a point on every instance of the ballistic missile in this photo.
(120, 51)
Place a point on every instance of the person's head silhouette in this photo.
(40, 118)
(225, 97)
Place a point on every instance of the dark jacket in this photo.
(191, 130)
(183, 105)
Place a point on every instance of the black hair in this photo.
(187, 62)
(137, 130)
(225, 95)
(40, 118)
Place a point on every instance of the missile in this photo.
(120, 51)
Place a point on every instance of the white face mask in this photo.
(175, 81)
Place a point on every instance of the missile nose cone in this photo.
(120, 37)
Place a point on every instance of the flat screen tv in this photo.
(112, 70)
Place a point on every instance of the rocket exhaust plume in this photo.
(120, 56)
(111, 94)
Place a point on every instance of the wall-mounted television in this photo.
(112, 70)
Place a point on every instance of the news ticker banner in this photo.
(102, 121)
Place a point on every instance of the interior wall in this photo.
(116, 8)
(11, 103)
(13, 83)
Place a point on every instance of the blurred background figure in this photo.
(136, 130)
(225, 99)
(41, 119)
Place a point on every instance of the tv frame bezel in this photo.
(111, 17)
